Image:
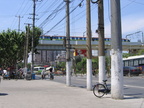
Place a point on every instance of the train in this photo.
(76, 38)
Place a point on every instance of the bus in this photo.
(134, 61)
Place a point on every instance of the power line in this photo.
(136, 2)
(63, 18)
(52, 5)
(21, 7)
(78, 17)
(52, 15)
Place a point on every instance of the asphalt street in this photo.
(55, 94)
(133, 86)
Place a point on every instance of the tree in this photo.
(108, 65)
(141, 52)
(12, 46)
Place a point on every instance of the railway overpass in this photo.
(58, 45)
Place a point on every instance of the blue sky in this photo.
(132, 16)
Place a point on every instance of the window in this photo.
(126, 63)
(135, 62)
(131, 63)
(72, 38)
(142, 61)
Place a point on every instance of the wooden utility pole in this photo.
(116, 51)
(32, 44)
(26, 48)
(102, 71)
(89, 49)
(68, 59)
(19, 19)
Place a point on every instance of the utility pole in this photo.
(116, 51)
(68, 59)
(32, 50)
(19, 19)
(26, 48)
(89, 49)
(102, 71)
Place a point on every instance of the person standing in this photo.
(43, 74)
(51, 73)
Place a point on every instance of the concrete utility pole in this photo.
(68, 59)
(116, 52)
(102, 71)
(89, 49)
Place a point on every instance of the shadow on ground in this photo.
(3, 94)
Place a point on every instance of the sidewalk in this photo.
(49, 94)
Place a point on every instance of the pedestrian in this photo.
(43, 74)
(51, 73)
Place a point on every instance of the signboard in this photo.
(81, 52)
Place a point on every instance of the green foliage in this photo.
(126, 55)
(108, 65)
(80, 66)
(141, 52)
(12, 46)
(61, 66)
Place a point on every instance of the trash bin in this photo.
(33, 75)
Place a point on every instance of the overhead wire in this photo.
(136, 2)
(21, 12)
(52, 15)
(47, 10)
(132, 1)
(14, 20)
(63, 18)
(77, 17)
(21, 7)
(41, 6)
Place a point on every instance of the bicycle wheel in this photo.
(99, 90)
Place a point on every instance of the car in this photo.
(38, 70)
(130, 70)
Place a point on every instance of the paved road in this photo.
(51, 94)
(133, 86)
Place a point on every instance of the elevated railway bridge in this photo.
(56, 44)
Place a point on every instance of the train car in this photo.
(76, 38)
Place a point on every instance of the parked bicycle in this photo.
(99, 90)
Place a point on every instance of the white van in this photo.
(38, 70)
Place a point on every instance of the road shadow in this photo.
(134, 95)
(3, 94)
